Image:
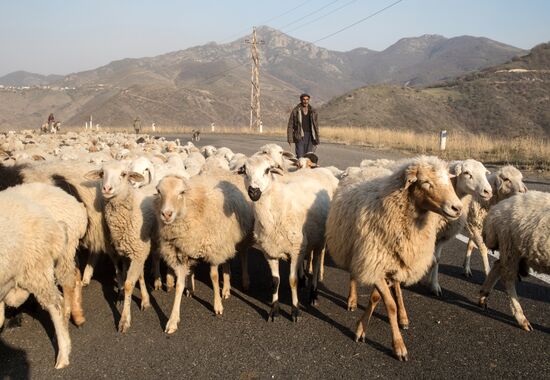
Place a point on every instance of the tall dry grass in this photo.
(525, 152)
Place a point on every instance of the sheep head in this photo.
(471, 178)
(170, 198)
(428, 183)
(115, 178)
(507, 181)
(259, 172)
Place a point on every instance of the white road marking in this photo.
(495, 254)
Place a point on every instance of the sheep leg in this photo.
(322, 266)
(301, 272)
(218, 307)
(2, 314)
(399, 349)
(89, 269)
(434, 273)
(365, 318)
(295, 263)
(310, 264)
(46, 293)
(134, 272)
(352, 296)
(155, 257)
(489, 283)
(181, 271)
(510, 285)
(275, 281)
(313, 295)
(483, 251)
(170, 280)
(226, 290)
(244, 267)
(77, 313)
(401, 311)
(467, 258)
(145, 302)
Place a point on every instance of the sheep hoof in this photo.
(352, 305)
(158, 284)
(171, 326)
(145, 305)
(218, 310)
(436, 290)
(467, 272)
(360, 337)
(404, 325)
(275, 311)
(120, 297)
(246, 285)
(482, 302)
(123, 325)
(62, 362)
(400, 352)
(295, 314)
(79, 320)
(226, 294)
(314, 297)
(526, 325)
(188, 293)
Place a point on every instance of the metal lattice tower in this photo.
(255, 115)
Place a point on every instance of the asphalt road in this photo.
(448, 336)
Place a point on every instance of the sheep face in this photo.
(430, 189)
(472, 178)
(258, 174)
(115, 178)
(278, 155)
(143, 166)
(508, 182)
(170, 198)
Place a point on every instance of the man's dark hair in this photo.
(304, 95)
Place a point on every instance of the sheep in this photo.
(384, 230)
(505, 182)
(470, 181)
(519, 228)
(193, 163)
(30, 242)
(225, 153)
(214, 164)
(132, 225)
(278, 155)
(205, 217)
(237, 161)
(64, 209)
(145, 167)
(208, 151)
(290, 217)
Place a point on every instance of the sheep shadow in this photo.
(456, 299)
(15, 364)
(525, 288)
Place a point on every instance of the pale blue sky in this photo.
(62, 36)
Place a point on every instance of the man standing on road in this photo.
(303, 129)
(137, 125)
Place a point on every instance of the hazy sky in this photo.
(62, 36)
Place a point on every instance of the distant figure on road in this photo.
(137, 125)
(51, 120)
(303, 128)
(195, 135)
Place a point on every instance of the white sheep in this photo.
(130, 218)
(290, 217)
(193, 163)
(31, 240)
(208, 218)
(384, 230)
(470, 181)
(519, 227)
(505, 182)
(65, 209)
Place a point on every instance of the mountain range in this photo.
(211, 82)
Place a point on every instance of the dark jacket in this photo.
(295, 132)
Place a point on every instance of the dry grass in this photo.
(526, 152)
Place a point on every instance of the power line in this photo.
(309, 14)
(266, 21)
(358, 22)
(320, 17)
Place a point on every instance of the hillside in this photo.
(211, 83)
(24, 78)
(512, 99)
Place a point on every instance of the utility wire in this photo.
(358, 22)
(309, 14)
(271, 19)
(320, 17)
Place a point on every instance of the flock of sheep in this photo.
(385, 222)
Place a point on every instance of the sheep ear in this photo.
(276, 170)
(288, 155)
(37, 157)
(295, 162)
(410, 176)
(241, 170)
(455, 169)
(94, 175)
(312, 157)
(134, 176)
